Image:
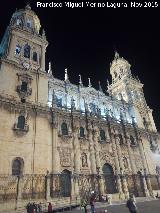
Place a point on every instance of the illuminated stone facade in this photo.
(49, 126)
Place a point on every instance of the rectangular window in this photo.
(29, 24)
(17, 50)
(24, 86)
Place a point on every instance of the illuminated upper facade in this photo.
(27, 49)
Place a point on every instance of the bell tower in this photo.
(129, 88)
(22, 56)
(22, 42)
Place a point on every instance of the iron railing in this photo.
(28, 187)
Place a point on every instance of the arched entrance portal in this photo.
(110, 181)
(65, 183)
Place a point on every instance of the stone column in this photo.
(119, 184)
(79, 99)
(72, 187)
(142, 155)
(92, 151)
(43, 48)
(145, 186)
(149, 185)
(98, 163)
(48, 179)
(11, 50)
(19, 191)
(77, 158)
(76, 147)
(133, 167)
(76, 187)
(145, 167)
(124, 182)
(55, 153)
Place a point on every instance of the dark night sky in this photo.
(83, 40)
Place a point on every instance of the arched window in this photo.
(64, 129)
(34, 56)
(102, 135)
(19, 22)
(59, 102)
(115, 74)
(120, 139)
(18, 49)
(21, 122)
(132, 140)
(27, 51)
(81, 132)
(17, 166)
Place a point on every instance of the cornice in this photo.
(24, 33)
(21, 68)
(13, 105)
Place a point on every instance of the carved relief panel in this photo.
(65, 157)
(106, 157)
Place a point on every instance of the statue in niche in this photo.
(125, 162)
(84, 160)
(73, 106)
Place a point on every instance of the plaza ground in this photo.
(152, 206)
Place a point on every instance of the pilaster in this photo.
(92, 151)
(124, 181)
(133, 167)
(55, 153)
(119, 184)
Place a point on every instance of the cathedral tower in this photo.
(129, 88)
(22, 53)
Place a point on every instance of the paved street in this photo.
(143, 207)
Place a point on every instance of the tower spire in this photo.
(49, 68)
(28, 7)
(100, 88)
(66, 75)
(80, 80)
(116, 55)
(89, 82)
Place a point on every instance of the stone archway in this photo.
(65, 183)
(109, 179)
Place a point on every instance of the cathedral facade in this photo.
(60, 141)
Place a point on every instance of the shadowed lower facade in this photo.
(60, 141)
